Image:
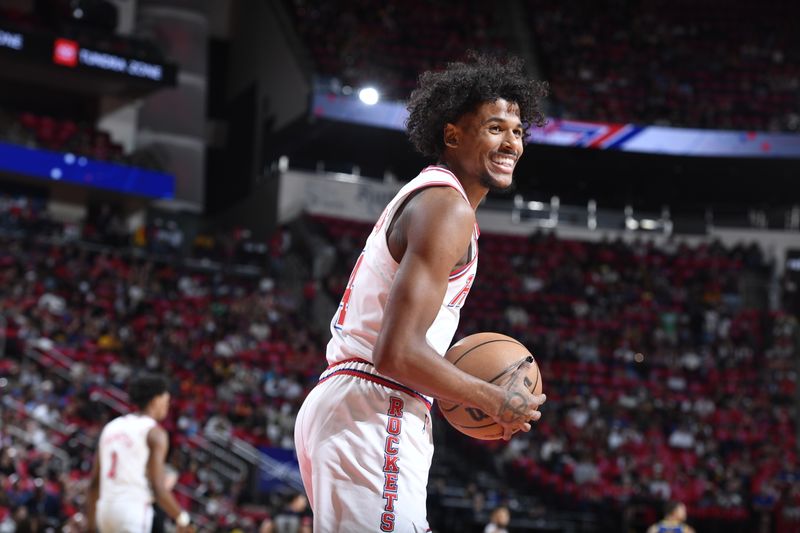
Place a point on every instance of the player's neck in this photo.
(473, 188)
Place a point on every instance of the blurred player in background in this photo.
(674, 520)
(363, 434)
(129, 468)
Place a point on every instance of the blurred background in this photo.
(185, 186)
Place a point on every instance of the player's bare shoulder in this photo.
(157, 437)
(433, 217)
(442, 215)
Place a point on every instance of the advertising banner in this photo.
(602, 136)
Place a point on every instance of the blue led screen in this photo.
(80, 170)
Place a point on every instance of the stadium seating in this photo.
(680, 63)
(60, 135)
(661, 380)
(667, 63)
(389, 45)
(661, 383)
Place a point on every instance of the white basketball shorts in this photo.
(364, 445)
(120, 516)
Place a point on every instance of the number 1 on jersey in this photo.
(347, 292)
(112, 472)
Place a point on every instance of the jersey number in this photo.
(112, 473)
(347, 292)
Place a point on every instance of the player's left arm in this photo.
(94, 493)
(158, 442)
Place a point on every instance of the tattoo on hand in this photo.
(514, 408)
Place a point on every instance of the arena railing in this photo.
(266, 464)
(23, 435)
(229, 465)
(218, 460)
(199, 506)
(350, 196)
(225, 464)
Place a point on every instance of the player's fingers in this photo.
(539, 399)
(536, 415)
(520, 370)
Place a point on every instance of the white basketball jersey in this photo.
(356, 324)
(123, 459)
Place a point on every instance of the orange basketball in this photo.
(491, 357)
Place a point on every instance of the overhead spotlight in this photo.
(369, 95)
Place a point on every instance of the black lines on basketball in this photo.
(463, 355)
(449, 409)
(495, 364)
(492, 423)
(538, 375)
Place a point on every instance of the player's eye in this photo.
(518, 133)
(494, 129)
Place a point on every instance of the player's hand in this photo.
(518, 407)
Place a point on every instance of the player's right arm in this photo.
(158, 443)
(432, 233)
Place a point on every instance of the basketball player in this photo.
(363, 434)
(129, 466)
(674, 520)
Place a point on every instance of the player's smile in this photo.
(503, 163)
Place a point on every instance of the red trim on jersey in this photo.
(363, 374)
(438, 184)
(460, 188)
(455, 274)
(351, 360)
(348, 291)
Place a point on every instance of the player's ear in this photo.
(451, 135)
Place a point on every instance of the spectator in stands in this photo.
(674, 520)
(499, 520)
(595, 58)
(656, 337)
(293, 518)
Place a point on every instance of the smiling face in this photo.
(486, 144)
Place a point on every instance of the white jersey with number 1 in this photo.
(125, 502)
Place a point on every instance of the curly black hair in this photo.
(146, 386)
(444, 96)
